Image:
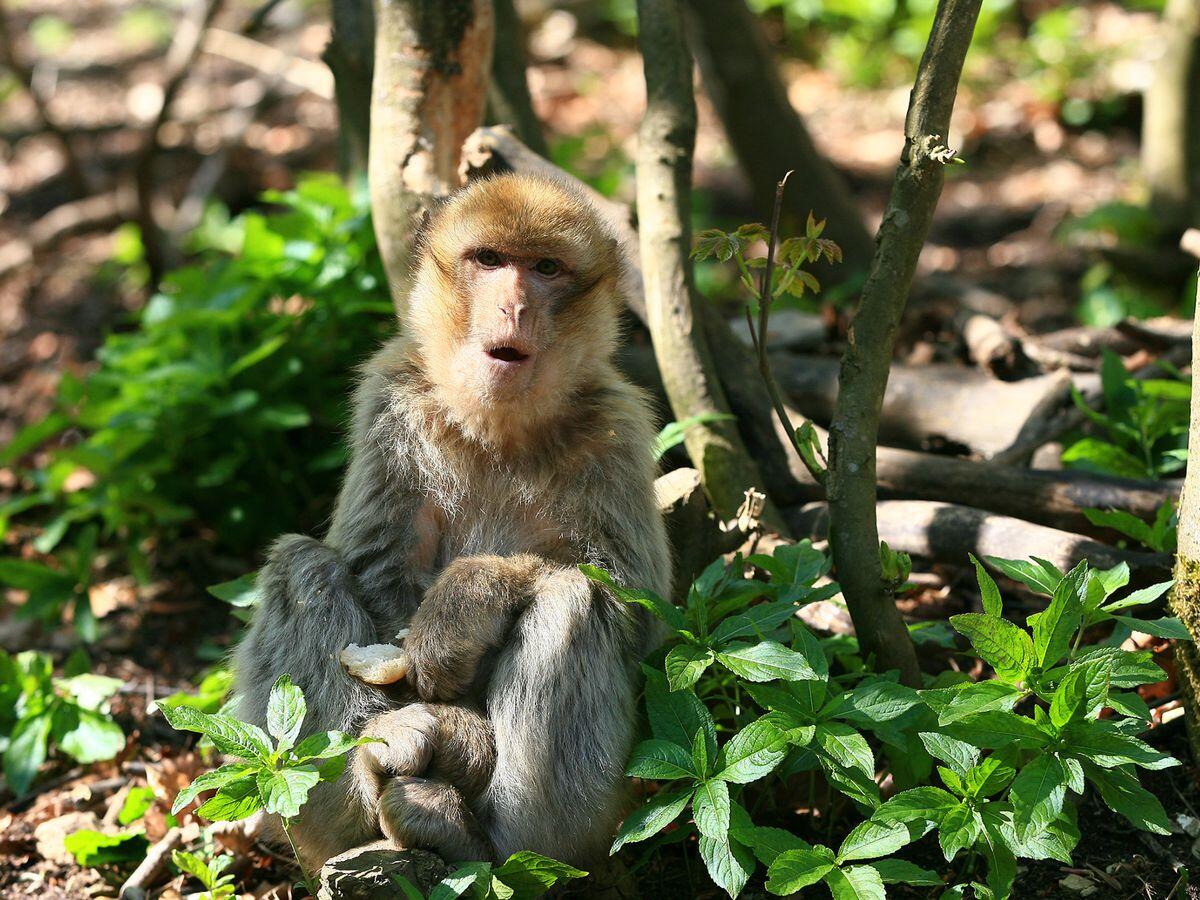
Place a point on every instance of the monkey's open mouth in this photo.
(507, 354)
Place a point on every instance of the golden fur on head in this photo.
(573, 334)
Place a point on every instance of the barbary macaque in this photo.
(494, 449)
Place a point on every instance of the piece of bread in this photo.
(376, 663)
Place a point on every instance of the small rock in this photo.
(373, 872)
(1085, 886)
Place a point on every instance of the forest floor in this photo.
(995, 229)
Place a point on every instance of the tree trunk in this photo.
(509, 102)
(1171, 122)
(664, 181)
(854, 432)
(432, 59)
(350, 56)
(766, 133)
(1185, 596)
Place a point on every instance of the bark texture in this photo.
(432, 59)
(350, 56)
(664, 181)
(854, 431)
(766, 133)
(1171, 122)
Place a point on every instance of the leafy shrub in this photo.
(39, 712)
(745, 692)
(221, 411)
(1160, 535)
(1145, 423)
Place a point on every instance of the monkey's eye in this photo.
(489, 259)
(547, 267)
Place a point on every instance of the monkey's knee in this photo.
(431, 815)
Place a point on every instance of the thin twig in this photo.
(152, 866)
(759, 339)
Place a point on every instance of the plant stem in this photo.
(309, 884)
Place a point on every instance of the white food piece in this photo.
(375, 663)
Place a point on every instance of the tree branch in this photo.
(854, 533)
(664, 179)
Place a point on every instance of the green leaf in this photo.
(660, 608)
(677, 716)
(26, 751)
(755, 621)
(673, 433)
(767, 843)
(1124, 795)
(93, 849)
(957, 830)
(1166, 627)
(901, 871)
(855, 883)
(209, 781)
(285, 712)
(1038, 578)
(999, 643)
(796, 869)
(1101, 743)
(1096, 455)
(651, 818)
(846, 746)
(766, 661)
(233, 801)
(872, 839)
(994, 729)
(1138, 598)
(920, 804)
(710, 809)
(876, 700)
(1037, 794)
(959, 755)
(729, 864)
(464, 878)
(327, 744)
(685, 664)
(953, 704)
(993, 605)
(285, 791)
(1124, 522)
(241, 592)
(94, 737)
(660, 759)
(227, 733)
(530, 874)
(753, 752)
(992, 775)
(1054, 627)
(1070, 697)
(137, 801)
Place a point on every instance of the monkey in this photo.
(494, 449)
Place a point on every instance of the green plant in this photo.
(275, 778)
(523, 876)
(1159, 535)
(1145, 423)
(672, 433)
(208, 871)
(107, 851)
(39, 712)
(992, 766)
(220, 413)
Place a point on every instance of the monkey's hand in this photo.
(466, 613)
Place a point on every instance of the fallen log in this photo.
(947, 532)
(934, 405)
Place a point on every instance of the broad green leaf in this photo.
(994, 729)
(93, 849)
(872, 839)
(464, 878)
(530, 874)
(756, 621)
(90, 691)
(710, 809)
(26, 751)
(227, 733)
(753, 752)
(796, 869)
(661, 760)
(901, 871)
(285, 791)
(1167, 627)
(1037, 794)
(957, 830)
(137, 801)
(999, 643)
(1139, 598)
(729, 864)
(1096, 455)
(876, 700)
(651, 818)
(765, 661)
(685, 664)
(1056, 841)
(845, 746)
(326, 744)
(959, 755)
(992, 775)
(1070, 697)
(767, 843)
(701, 759)
(1101, 743)
(1128, 668)
(660, 608)
(920, 804)
(993, 605)
(209, 781)
(241, 592)
(676, 716)
(952, 704)
(93, 738)
(1123, 794)
(1035, 577)
(233, 801)
(1054, 627)
(855, 883)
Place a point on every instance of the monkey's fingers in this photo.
(377, 664)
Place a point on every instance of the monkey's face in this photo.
(515, 301)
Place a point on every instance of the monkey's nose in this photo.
(513, 311)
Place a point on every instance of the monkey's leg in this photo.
(307, 613)
(561, 703)
(432, 815)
